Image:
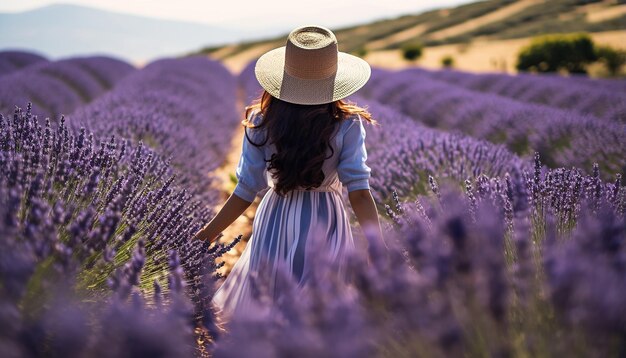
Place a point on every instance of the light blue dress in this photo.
(285, 227)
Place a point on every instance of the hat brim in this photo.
(352, 74)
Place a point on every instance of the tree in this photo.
(613, 59)
(447, 61)
(412, 51)
(552, 53)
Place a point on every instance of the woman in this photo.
(305, 142)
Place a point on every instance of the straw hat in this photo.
(310, 69)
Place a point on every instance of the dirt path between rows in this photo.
(225, 183)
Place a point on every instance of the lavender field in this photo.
(502, 200)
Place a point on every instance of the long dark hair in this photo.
(301, 134)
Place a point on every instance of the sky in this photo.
(278, 14)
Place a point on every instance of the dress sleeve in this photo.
(352, 170)
(250, 172)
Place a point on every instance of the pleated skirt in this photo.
(285, 230)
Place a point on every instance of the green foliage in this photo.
(412, 51)
(613, 59)
(233, 178)
(568, 52)
(447, 61)
(557, 52)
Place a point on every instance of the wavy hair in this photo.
(301, 134)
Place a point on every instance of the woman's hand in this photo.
(231, 210)
(204, 234)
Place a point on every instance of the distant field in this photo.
(481, 55)
(482, 36)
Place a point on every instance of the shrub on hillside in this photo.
(557, 52)
(412, 51)
(447, 61)
(613, 59)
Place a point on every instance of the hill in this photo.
(461, 32)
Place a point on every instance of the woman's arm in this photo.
(232, 209)
(364, 207)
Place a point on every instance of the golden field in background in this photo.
(479, 37)
(481, 55)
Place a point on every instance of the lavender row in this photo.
(11, 61)
(59, 87)
(602, 98)
(100, 221)
(563, 138)
(613, 84)
(108, 71)
(181, 108)
(248, 83)
(406, 157)
(403, 154)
